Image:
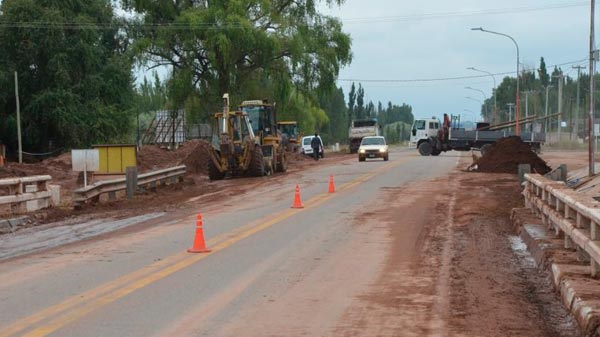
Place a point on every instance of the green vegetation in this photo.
(397, 132)
(75, 84)
(533, 87)
(76, 61)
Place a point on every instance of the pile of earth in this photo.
(193, 154)
(58, 167)
(506, 154)
(297, 156)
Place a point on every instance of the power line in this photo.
(444, 15)
(233, 25)
(442, 78)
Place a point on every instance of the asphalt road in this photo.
(272, 271)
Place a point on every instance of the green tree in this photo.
(351, 103)
(75, 80)
(233, 46)
(360, 102)
(333, 104)
(543, 73)
(370, 110)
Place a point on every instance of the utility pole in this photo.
(18, 118)
(560, 107)
(546, 111)
(576, 128)
(591, 132)
(526, 104)
(510, 106)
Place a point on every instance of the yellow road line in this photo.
(114, 290)
(92, 293)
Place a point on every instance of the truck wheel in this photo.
(425, 149)
(257, 165)
(435, 152)
(485, 148)
(386, 158)
(213, 171)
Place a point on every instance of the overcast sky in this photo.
(405, 40)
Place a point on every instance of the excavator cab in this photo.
(290, 135)
(262, 117)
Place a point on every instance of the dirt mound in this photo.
(192, 154)
(152, 157)
(296, 157)
(58, 167)
(505, 156)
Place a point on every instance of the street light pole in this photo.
(472, 114)
(518, 98)
(493, 90)
(473, 99)
(484, 99)
(591, 116)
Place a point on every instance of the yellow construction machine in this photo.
(290, 135)
(246, 142)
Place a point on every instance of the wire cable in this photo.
(442, 78)
(233, 25)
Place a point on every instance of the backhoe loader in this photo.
(246, 142)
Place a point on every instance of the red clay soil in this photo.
(150, 157)
(192, 154)
(59, 168)
(505, 156)
(451, 268)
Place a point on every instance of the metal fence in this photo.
(572, 216)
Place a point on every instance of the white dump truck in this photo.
(361, 128)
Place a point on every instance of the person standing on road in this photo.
(316, 145)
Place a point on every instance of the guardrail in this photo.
(93, 192)
(573, 216)
(25, 194)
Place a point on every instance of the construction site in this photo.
(299, 168)
(454, 249)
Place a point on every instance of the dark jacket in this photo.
(315, 143)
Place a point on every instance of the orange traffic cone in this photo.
(331, 184)
(199, 245)
(297, 201)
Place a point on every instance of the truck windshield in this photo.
(419, 125)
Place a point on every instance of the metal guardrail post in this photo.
(131, 181)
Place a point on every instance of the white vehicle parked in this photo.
(373, 147)
(307, 149)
